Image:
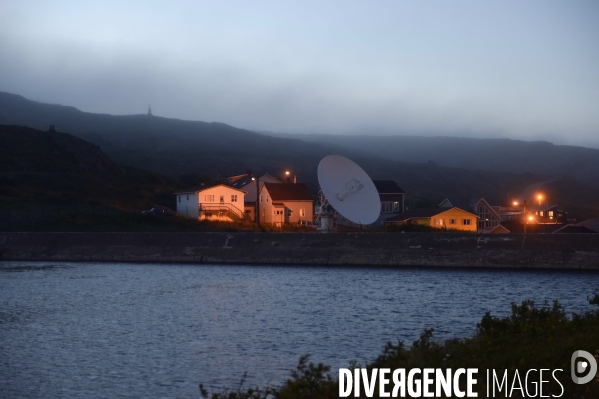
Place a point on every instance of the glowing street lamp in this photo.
(539, 197)
(515, 203)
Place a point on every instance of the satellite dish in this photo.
(348, 189)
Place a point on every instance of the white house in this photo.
(221, 203)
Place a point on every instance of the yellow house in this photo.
(443, 218)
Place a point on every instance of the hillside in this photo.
(501, 155)
(55, 181)
(179, 148)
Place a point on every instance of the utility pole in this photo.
(525, 219)
(257, 207)
(258, 201)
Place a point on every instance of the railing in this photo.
(226, 207)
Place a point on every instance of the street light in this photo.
(515, 203)
(539, 197)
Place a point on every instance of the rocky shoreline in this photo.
(534, 251)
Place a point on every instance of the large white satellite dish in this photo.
(349, 190)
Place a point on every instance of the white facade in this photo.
(221, 203)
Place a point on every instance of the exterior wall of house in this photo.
(188, 205)
(250, 188)
(391, 205)
(290, 212)
(221, 203)
(487, 219)
(455, 219)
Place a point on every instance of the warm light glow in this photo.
(530, 218)
(515, 203)
(253, 178)
(287, 172)
(540, 196)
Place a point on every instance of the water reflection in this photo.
(129, 330)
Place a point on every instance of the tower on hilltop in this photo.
(149, 110)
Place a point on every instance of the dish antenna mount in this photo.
(347, 190)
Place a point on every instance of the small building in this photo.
(392, 198)
(249, 185)
(442, 218)
(542, 214)
(589, 226)
(489, 217)
(285, 203)
(219, 203)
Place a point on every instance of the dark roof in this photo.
(288, 192)
(241, 181)
(387, 187)
(574, 229)
(417, 213)
(465, 202)
(591, 224)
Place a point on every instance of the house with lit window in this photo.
(218, 203)
(442, 218)
(392, 198)
(251, 186)
(285, 203)
(489, 217)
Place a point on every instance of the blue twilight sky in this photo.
(518, 69)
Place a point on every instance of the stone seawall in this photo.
(568, 251)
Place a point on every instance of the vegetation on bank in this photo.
(531, 337)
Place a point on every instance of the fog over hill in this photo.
(540, 157)
(177, 147)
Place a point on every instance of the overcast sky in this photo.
(518, 69)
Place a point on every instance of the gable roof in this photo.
(465, 203)
(423, 213)
(243, 180)
(197, 190)
(288, 191)
(499, 229)
(387, 187)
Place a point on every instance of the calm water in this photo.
(130, 330)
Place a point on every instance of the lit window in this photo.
(439, 222)
(551, 214)
(302, 212)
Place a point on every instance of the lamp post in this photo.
(257, 208)
(539, 197)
